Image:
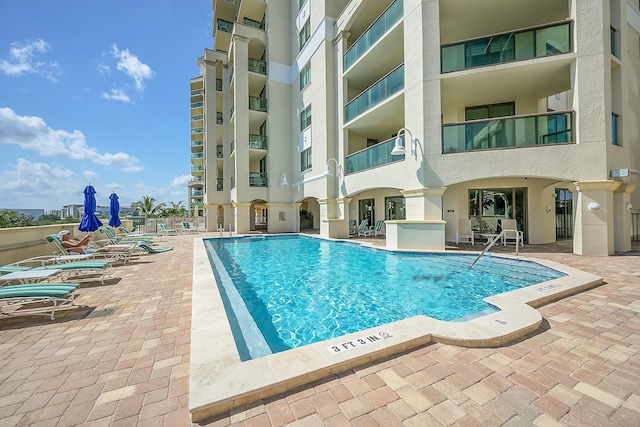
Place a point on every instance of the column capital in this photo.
(423, 192)
(626, 188)
(341, 36)
(241, 205)
(606, 185)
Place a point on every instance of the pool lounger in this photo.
(39, 299)
(72, 269)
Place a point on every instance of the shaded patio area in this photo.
(122, 358)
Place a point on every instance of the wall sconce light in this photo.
(283, 180)
(594, 206)
(327, 171)
(629, 206)
(548, 208)
(399, 149)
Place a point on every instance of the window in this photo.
(305, 33)
(301, 3)
(613, 35)
(615, 122)
(489, 111)
(305, 76)
(305, 118)
(305, 160)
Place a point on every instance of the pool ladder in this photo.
(495, 239)
(221, 231)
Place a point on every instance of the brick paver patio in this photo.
(122, 359)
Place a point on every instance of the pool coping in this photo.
(219, 381)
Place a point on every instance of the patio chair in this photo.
(464, 231)
(353, 226)
(123, 255)
(75, 269)
(150, 250)
(42, 299)
(164, 230)
(377, 229)
(129, 233)
(186, 228)
(114, 239)
(511, 232)
(364, 229)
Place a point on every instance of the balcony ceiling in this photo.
(537, 79)
(365, 13)
(465, 19)
(382, 121)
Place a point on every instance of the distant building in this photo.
(57, 212)
(35, 213)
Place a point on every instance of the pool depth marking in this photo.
(359, 342)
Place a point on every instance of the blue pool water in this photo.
(282, 292)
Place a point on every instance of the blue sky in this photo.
(97, 92)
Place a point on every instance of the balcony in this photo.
(219, 152)
(258, 179)
(258, 142)
(197, 130)
(375, 94)
(199, 168)
(198, 143)
(225, 26)
(508, 132)
(197, 104)
(251, 23)
(372, 157)
(197, 156)
(197, 193)
(256, 66)
(257, 104)
(507, 47)
(219, 184)
(233, 182)
(219, 85)
(197, 92)
(198, 117)
(219, 118)
(378, 29)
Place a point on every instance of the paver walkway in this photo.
(123, 360)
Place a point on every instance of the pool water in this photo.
(282, 292)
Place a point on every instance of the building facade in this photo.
(421, 113)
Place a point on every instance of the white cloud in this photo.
(24, 59)
(117, 95)
(181, 181)
(133, 68)
(32, 133)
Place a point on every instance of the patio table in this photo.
(28, 276)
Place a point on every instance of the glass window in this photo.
(395, 208)
(305, 160)
(305, 34)
(305, 76)
(615, 122)
(305, 118)
(487, 207)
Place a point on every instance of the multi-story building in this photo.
(421, 113)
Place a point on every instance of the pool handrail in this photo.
(490, 244)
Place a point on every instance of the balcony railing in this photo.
(197, 130)
(376, 31)
(219, 184)
(508, 132)
(196, 180)
(233, 182)
(225, 26)
(257, 104)
(507, 47)
(219, 118)
(256, 66)
(197, 104)
(252, 23)
(197, 193)
(197, 168)
(375, 94)
(219, 151)
(198, 117)
(372, 157)
(197, 92)
(219, 85)
(258, 179)
(258, 142)
(198, 143)
(197, 156)
(232, 145)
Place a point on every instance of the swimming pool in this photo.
(282, 292)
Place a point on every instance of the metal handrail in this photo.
(490, 244)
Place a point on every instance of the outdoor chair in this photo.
(510, 232)
(114, 239)
(464, 231)
(377, 229)
(353, 226)
(186, 228)
(364, 229)
(42, 299)
(123, 255)
(164, 230)
(75, 269)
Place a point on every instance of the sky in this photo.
(97, 92)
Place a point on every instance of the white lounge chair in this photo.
(164, 230)
(511, 232)
(364, 229)
(464, 231)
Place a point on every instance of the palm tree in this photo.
(176, 209)
(146, 207)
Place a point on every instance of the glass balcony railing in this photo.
(508, 132)
(258, 179)
(232, 145)
(219, 184)
(233, 182)
(257, 104)
(196, 180)
(197, 130)
(199, 143)
(197, 156)
(256, 66)
(219, 118)
(198, 117)
(197, 168)
(219, 151)
(219, 85)
(197, 104)
(225, 26)
(372, 157)
(197, 193)
(258, 142)
(376, 31)
(252, 23)
(197, 92)
(378, 92)
(507, 47)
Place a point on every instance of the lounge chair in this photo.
(75, 269)
(42, 299)
(186, 228)
(511, 232)
(464, 231)
(364, 229)
(353, 226)
(135, 234)
(377, 229)
(114, 239)
(150, 250)
(164, 230)
(123, 255)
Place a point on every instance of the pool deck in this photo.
(123, 359)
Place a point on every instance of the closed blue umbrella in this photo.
(90, 221)
(114, 210)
